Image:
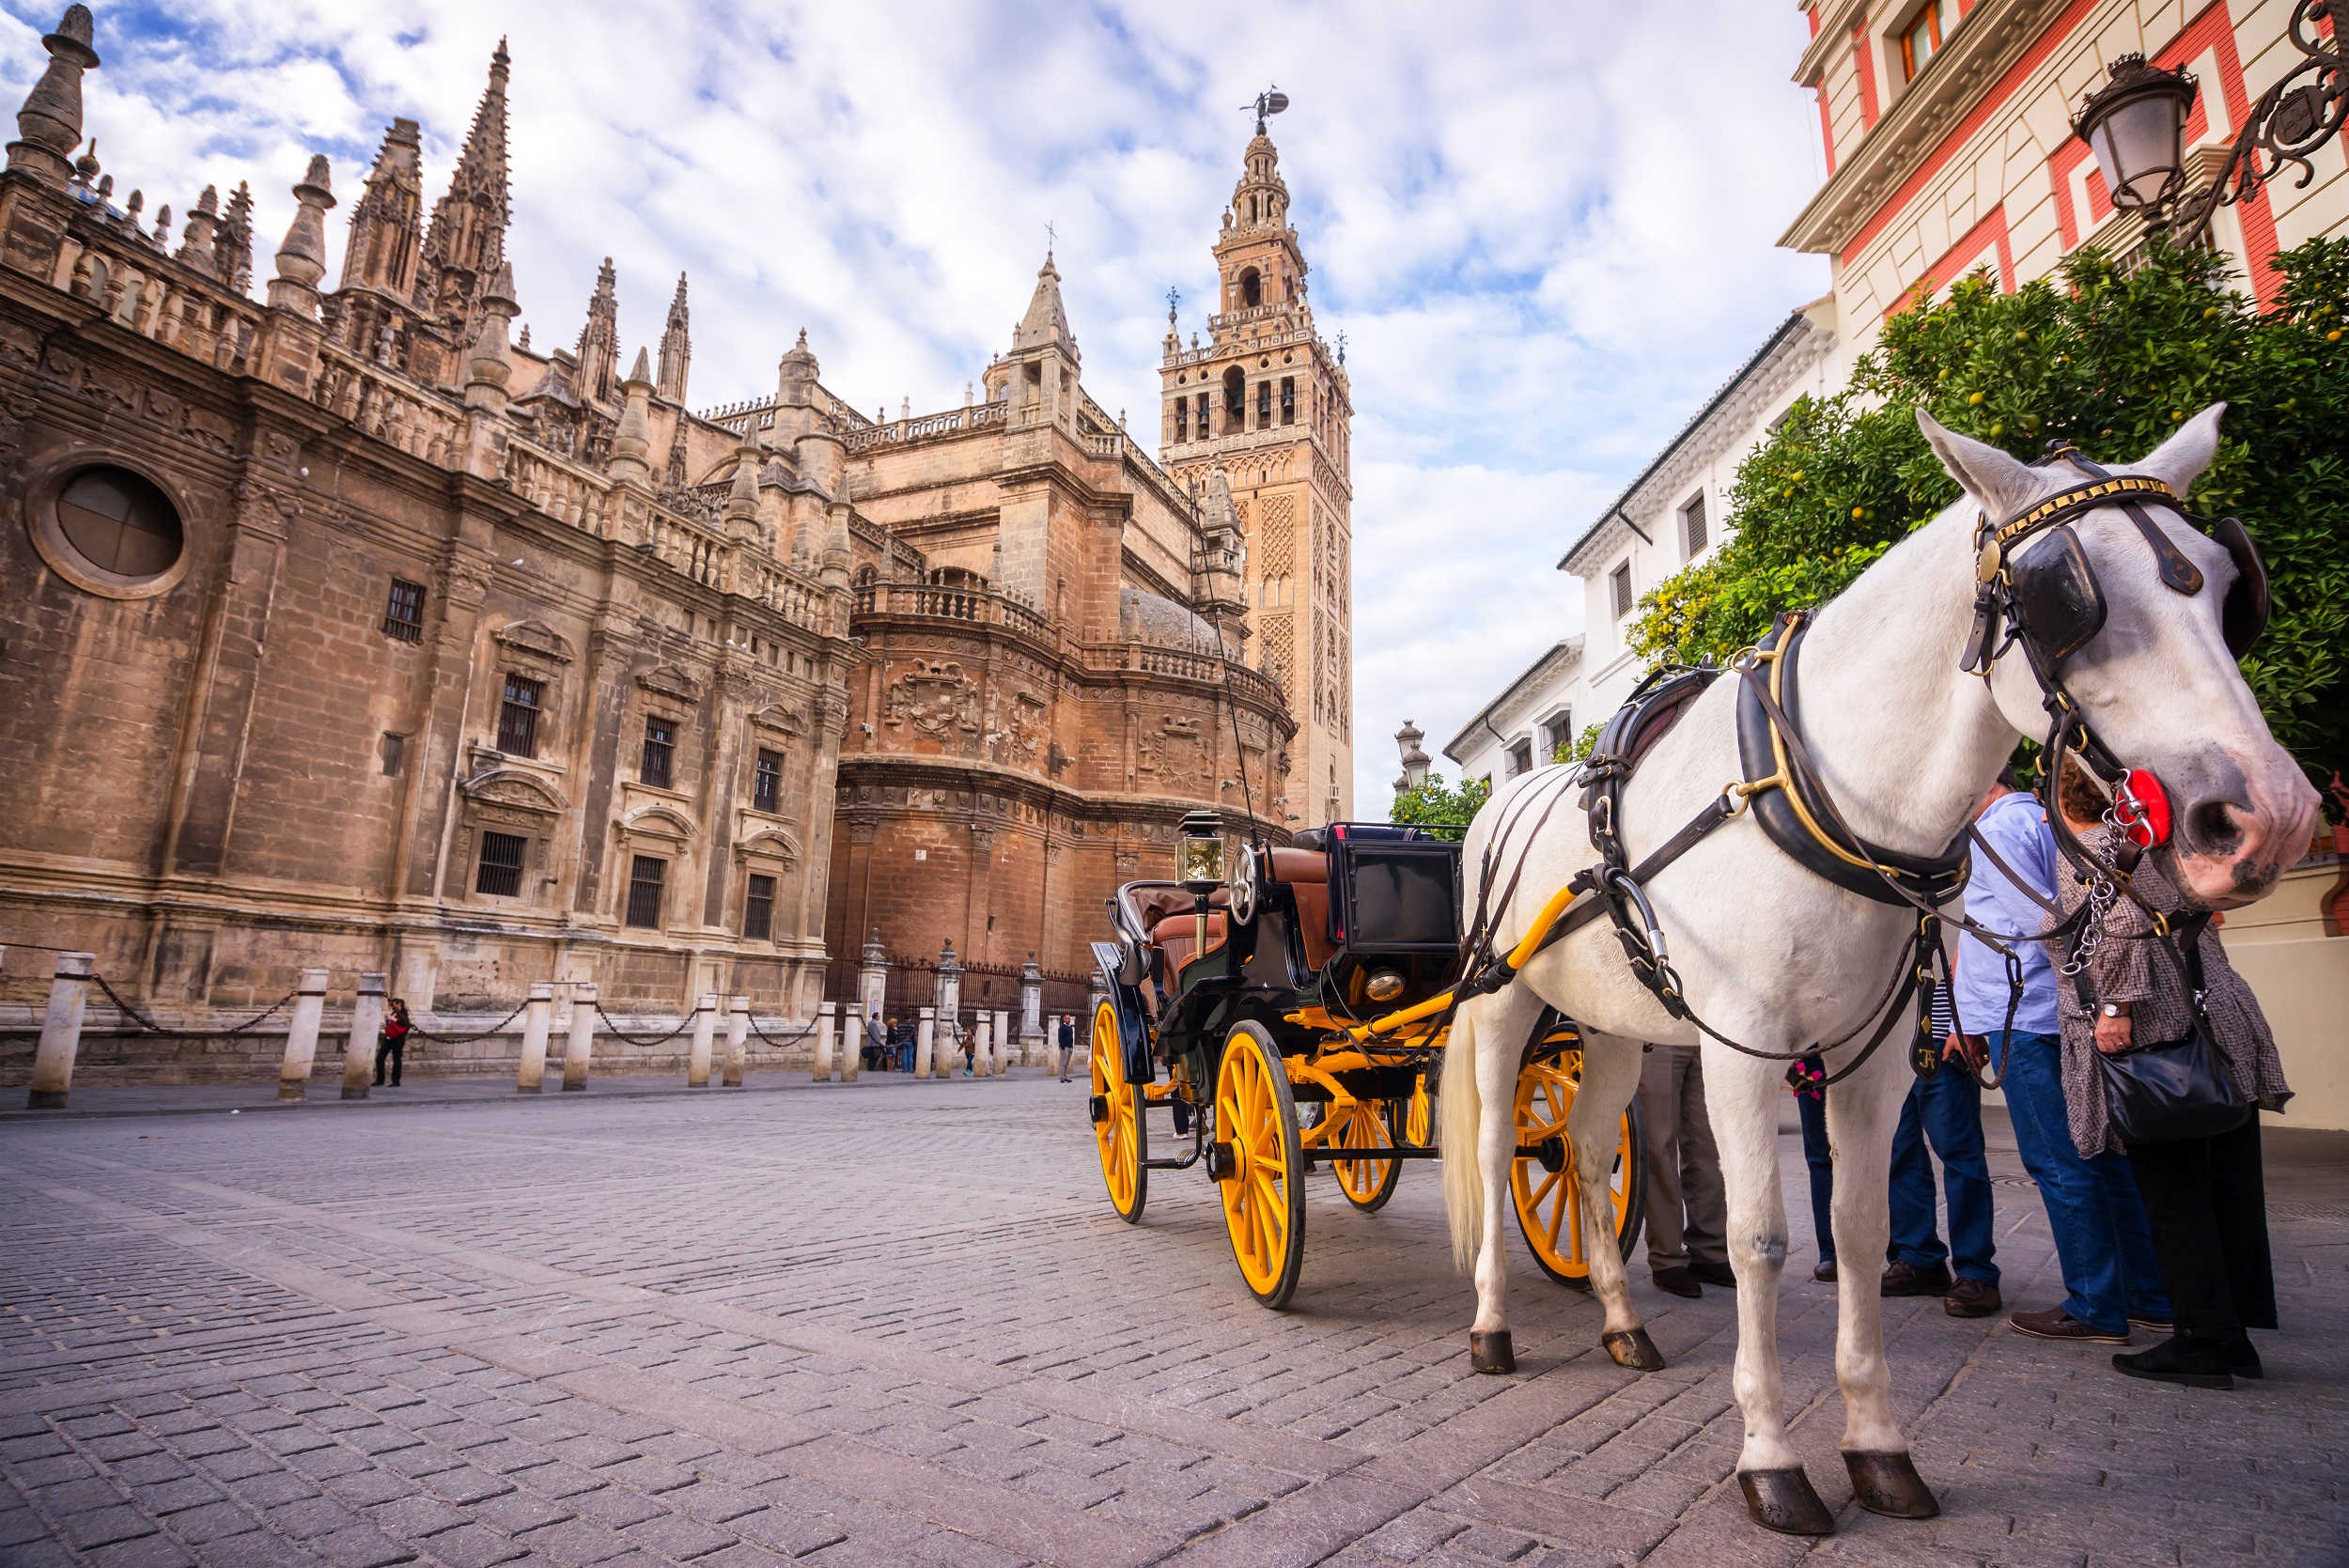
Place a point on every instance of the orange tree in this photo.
(2111, 363)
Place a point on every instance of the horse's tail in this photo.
(1463, 1173)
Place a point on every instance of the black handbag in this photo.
(2174, 1090)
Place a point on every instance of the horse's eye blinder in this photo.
(2055, 595)
(2244, 615)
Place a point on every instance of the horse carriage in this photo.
(1281, 1008)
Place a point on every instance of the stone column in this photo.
(872, 978)
(948, 1001)
(367, 1022)
(1033, 1047)
(60, 1032)
(704, 1027)
(923, 1031)
(575, 1054)
(738, 1040)
(982, 1058)
(826, 1014)
(538, 1012)
(302, 1039)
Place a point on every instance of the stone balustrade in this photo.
(930, 427)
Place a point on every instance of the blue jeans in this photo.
(1946, 1109)
(2101, 1238)
(1816, 1154)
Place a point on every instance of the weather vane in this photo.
(1052, 237)
(1173, 298)
(1271, 102)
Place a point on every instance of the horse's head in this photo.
(2155, 682)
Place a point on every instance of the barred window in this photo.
(759, 908)
(659, 746)
(501, 872)
(518, 716)
(767, 782)
(403, 612)
(645, 877)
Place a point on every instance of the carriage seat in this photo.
(1306, 874)
(1177, 937)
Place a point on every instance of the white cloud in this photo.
(1546, 230)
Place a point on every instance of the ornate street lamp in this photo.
(2136, 124)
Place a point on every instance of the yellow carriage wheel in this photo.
(1117, 1125)
(1546, 1189)
(1258, 1167)
(1366, 1183)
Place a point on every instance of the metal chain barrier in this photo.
(419, 1032)
(771, 1040)
(617, 1032)
(152, 1027)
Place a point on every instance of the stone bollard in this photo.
(982, 1059)
(925, 1025)
(738, 1040)
(1007, 1048)
(852, 1050)
(1032, 1031)
(60, 1032)
(302, 1039)
(367, 1022)
(705, 1029)
(827, 1015)
(538, 1013)
(582, 1041)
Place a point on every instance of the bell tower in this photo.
(1264, 404)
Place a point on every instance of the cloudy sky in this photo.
(1546, 230)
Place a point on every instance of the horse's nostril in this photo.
(2211, 828)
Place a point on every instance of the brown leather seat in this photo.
(1306, 873)
(1177, 937)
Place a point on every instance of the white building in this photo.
(1524, 726)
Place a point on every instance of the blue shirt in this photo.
(2017, 830)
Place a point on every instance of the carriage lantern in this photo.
(2136, 124)
(1199, 853)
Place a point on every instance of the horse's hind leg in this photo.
(1611, 1075)
(1741, 1101)
(1862, 1115)
(1502, 1023)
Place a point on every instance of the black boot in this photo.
(2243, 1359)
(2188, 1359)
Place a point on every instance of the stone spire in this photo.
(302, 258)
(195, 242)
(677, 347)
(383, 225)
(1047, 321)
(233, 246)
(49, 127)
(466, 242)
(599, 339)
(632, 443)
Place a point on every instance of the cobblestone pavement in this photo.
(898, 1323)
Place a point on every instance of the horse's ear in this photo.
(2001, 484)
(2180, 460)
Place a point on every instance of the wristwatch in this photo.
(2111, 1010)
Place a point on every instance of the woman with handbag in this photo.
(2168, 1056)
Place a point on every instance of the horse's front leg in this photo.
(1611, 1075)
(1741, 1100)
(1862, 1111)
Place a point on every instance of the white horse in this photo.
(1778, 957)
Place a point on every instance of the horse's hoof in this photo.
(1783, 1500)
(1491, 1352)
(1889, 1483)
(1632, 1348)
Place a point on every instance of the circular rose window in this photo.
(110, 530)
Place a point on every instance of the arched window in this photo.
(1235, 398)
(1250, 289)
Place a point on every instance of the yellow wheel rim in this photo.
(1548, 1202)
(1258, 1199)
(1119, 1133)
(1359, 1127)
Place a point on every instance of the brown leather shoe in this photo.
(1971, 1299)
(2056, 1324)
(1679, 1282)
(1900, 1278)
(1824, 1271)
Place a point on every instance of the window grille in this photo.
(403, 612)
(501, 873)
(659, 747)
(1620, 580)
(518, 716)
(643, 891)
(1692, 526)
(767, 782)
(759, 908)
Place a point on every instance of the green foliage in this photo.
(2112, 364)
(1580, 748)
(1432, 805)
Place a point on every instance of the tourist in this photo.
(1944, 1109)
(393, 1043)
(969, 1040)
(2109, 1276)
(2204, 1198)
(1067, 1043)
(1687, 1211)
(876, 1039)
(1808, 1080)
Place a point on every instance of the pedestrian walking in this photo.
(2205, 1200)
(1806, 1078)
(1067, 1043)
(969, 1040)
(876, 1039)
(1687, 1210)
(1944, 1110)
(2102, 1241)
(392, 1043)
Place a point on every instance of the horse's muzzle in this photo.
(2239, 826)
